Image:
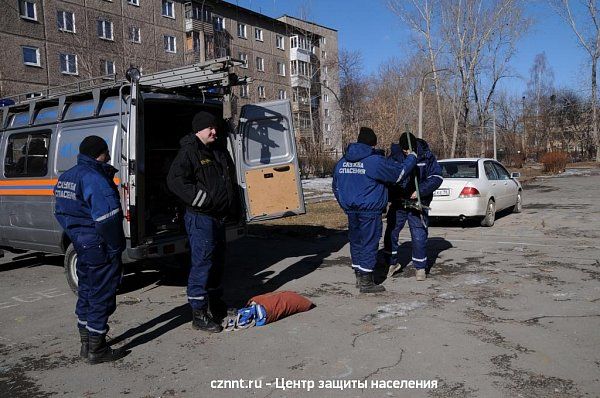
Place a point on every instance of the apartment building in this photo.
(54, 42)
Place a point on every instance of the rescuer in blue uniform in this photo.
(359, 180)
(429, 176)
(202, 175)
(89, 210)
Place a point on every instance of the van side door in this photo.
(267, 161)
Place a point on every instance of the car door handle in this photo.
(281, 168)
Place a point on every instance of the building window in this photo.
(323, 41)
(170, 44)
(219, 23)
(327, 127)
(258, 34)
(325, 83)
(68, 64)
(27, 10)
(105, 29)
(280, 68)
(326, 97)
(244, 59)
(323, 54)
(261, 92)
(294, 42)
(326, 112)
(244, 91)
(134, 2)
(241, 30)
(328, 141)
(31, 56)
(325, 69)
(299, 68)
(65, 21)
(135, 34)
(260, 64)
(167, 9)
(279, 42)
(282, 94)
(108, 67)
(27, 155)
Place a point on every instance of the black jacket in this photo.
(204, 178)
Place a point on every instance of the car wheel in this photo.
(71, 268)
(519, 205)
(490, 214)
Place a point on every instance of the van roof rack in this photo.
(211, 73)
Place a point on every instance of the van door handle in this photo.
(282, 168)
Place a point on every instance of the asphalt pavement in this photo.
(512, 310)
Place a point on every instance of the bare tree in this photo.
(585, 23)
(422, 17)
(540, 87)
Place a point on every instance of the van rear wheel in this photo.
(70, 265)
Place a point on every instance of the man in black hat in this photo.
(89, 210)
(202, 175)
(359, 180)
(403, 198)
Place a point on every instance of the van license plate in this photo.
(442, 192)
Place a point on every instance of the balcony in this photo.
(300, 81)
(299, 54)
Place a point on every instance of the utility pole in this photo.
(420, 130)
(494, 127)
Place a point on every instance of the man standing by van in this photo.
(202, 176)
(89, 210)
(359, 180)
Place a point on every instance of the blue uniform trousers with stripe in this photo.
(206, 235)
(364, 232)
(99, 274)
(418, 224)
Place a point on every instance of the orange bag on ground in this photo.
(278, 305)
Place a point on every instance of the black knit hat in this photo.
(367, 136)
(403, 142)
(203, 120)
(93, 146)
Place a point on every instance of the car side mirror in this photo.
(515, 175)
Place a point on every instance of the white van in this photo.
(142, 119)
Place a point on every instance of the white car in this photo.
(476, 187)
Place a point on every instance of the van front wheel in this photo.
(71, 268)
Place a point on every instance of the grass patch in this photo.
(321, 219)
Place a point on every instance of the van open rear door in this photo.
(267, 162)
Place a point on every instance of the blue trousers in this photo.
(206, 235)
(396, 219)
(99, 274)
(364, 232)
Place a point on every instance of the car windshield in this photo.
(459, 169)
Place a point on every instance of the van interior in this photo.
(164, 123)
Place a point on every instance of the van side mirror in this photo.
(515, 175)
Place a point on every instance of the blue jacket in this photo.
(359, 178)
(428, 172)
(88, 205)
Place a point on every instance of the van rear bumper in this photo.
(168, 246)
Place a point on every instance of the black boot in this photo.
(84, 336)
(366, 284)
(202, 320)
(100, 351)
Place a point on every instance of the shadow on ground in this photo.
(247, 271)
(435, 246)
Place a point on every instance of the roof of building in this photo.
(305, 21)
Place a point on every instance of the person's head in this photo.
(204, 126)
(403, 142)
(95, 147)
(367, 136)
